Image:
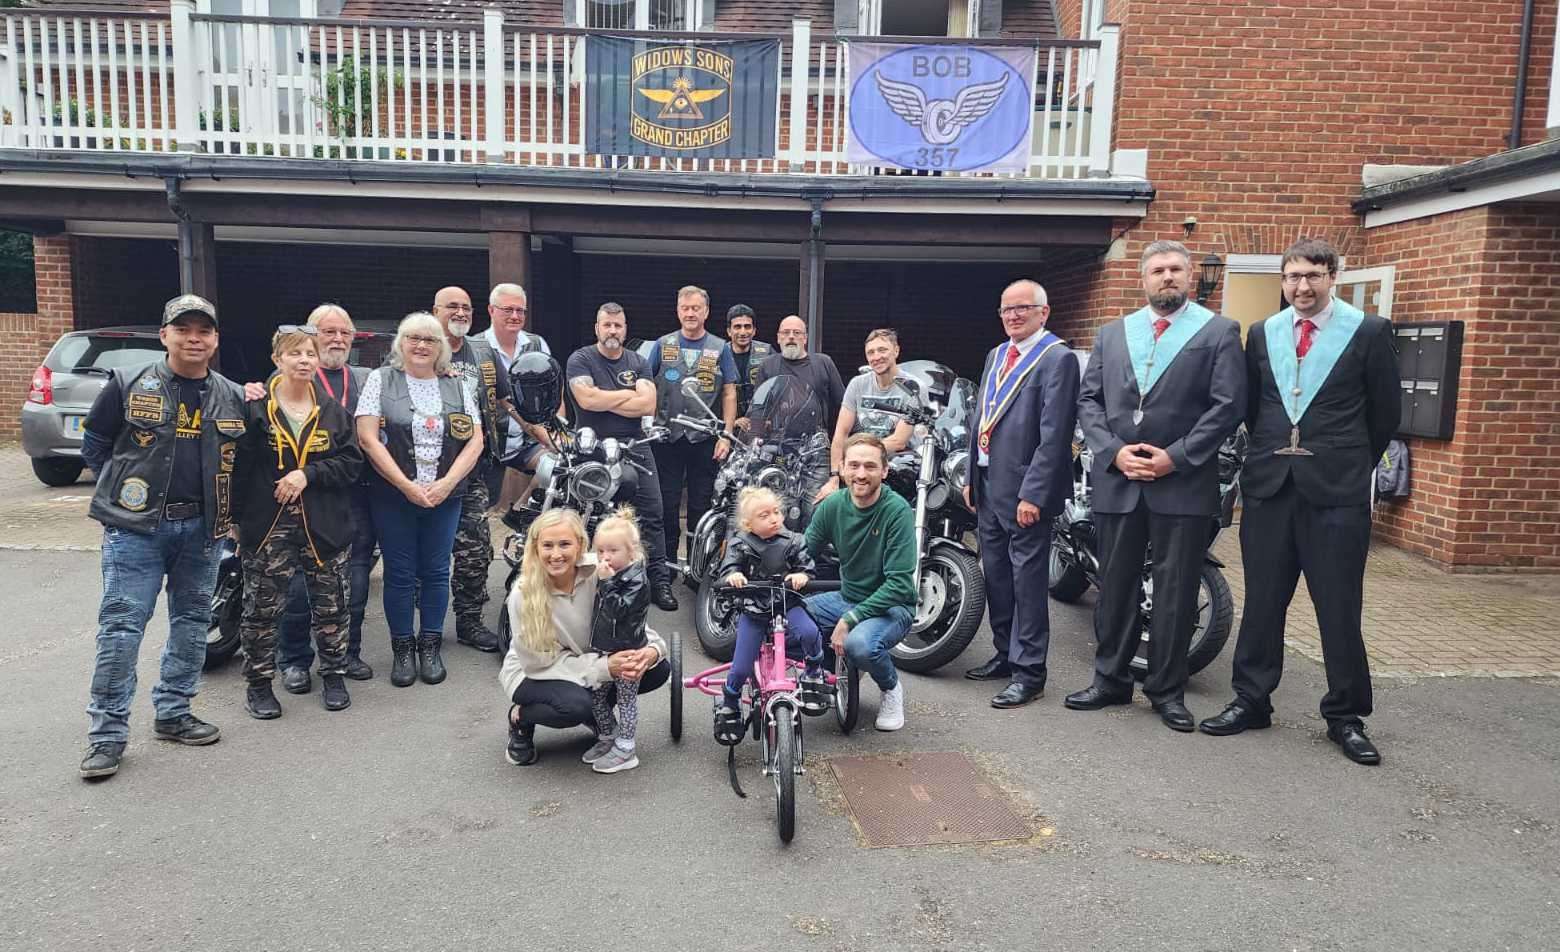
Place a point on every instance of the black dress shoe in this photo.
(663, 597)
(1176, 716)
(1236, 717)
(1356, 746)
(1017, 694)
(993, 670)
(1094, 697)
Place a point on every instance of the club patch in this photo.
(150, 383)
(134, 494)
(224, 500)
(146, 407)
(229, 454)
(231, 427)
(489, 374)
(142, 438)
(673, 376)
(460, 426)
(319, 442)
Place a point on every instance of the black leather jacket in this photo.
(617, 622)
(754, 557)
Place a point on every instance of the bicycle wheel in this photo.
(847, 695)
(784, 768)
(675, 683)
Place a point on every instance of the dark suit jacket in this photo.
(1347, 424)
(1192, 409)
(1031, 446)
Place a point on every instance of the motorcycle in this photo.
(952, 588)
(583, 472)
(782, 449)
(227, 607)
(1075, 567)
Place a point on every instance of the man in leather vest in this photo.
(486, 377)
(162, 439)
(687, 459)
(746, 353)
(508, 310)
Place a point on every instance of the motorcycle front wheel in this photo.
(715, 620)
(1067, 579)
(222, 637)
(951, 605)
(1215, 616)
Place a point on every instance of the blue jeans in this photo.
(134, 567)
(416, 544)
(294, 647)
(801, 632)
(867, 645)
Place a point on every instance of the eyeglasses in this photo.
(1309, 277)
(510, 311)
(297, 329)
(420, 339)
(1017, 309)
(459, 308)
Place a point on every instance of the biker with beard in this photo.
(613, 390)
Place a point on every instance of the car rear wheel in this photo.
(57, 470)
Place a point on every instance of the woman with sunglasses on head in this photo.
(418, 427)
(295, 469)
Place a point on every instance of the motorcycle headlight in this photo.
(937, 496)
(592, 482)
(956, 469)
(585, 440)
(772, 478)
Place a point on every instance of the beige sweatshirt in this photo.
(574, 661)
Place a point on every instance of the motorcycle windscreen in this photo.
(958, 415)
(933, 381)
(784, 411)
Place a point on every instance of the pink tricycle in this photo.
(769, 700)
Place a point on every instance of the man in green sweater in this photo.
(873, 533)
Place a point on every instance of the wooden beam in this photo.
(509, 258)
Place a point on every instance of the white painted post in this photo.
(1552, 122)
(493, 81)
(186, 77)
(801, 56)
(1101, 118)
(12, 96)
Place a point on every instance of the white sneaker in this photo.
(891, 711)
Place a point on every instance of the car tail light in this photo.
(42, 390)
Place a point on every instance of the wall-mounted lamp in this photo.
(1212, 269)
(1189, 225)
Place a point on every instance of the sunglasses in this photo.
(297, 329)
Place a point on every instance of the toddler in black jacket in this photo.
(617, 624)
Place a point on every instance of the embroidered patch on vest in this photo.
(460, 426)
(143, 438)
(134, 493)
(229, 454)
(231, 427)
(224, 501)
(708, 362)
(150, 383)
(146, 407)
(489, 374)
(319, 442)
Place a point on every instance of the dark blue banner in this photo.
(696, 100)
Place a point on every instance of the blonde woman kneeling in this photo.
(550, 671)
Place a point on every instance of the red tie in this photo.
(1307, 331)
(1012, 358)
(1159, 327)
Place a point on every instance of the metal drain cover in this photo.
(925, 799)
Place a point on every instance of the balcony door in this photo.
(260, 72)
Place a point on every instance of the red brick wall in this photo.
(25, 339)
(1488, 497)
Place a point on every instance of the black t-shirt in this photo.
(743, 361)
(107, 418)
(623, 373)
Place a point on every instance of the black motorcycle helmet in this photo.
(538, 385)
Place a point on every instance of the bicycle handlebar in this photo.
(773, 582)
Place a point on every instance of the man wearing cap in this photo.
(162, 439)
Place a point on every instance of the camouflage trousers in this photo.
(473, 553)
(268, 571)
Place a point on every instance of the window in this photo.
(920, 17)
(674, 15)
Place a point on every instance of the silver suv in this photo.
(62, 391)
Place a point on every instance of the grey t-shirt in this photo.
(892, 404)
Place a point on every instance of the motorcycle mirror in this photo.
(690, 387)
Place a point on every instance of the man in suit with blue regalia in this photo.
(1021, 448)
(1165, 386)
(1323, 402)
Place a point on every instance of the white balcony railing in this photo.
(406, 91)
